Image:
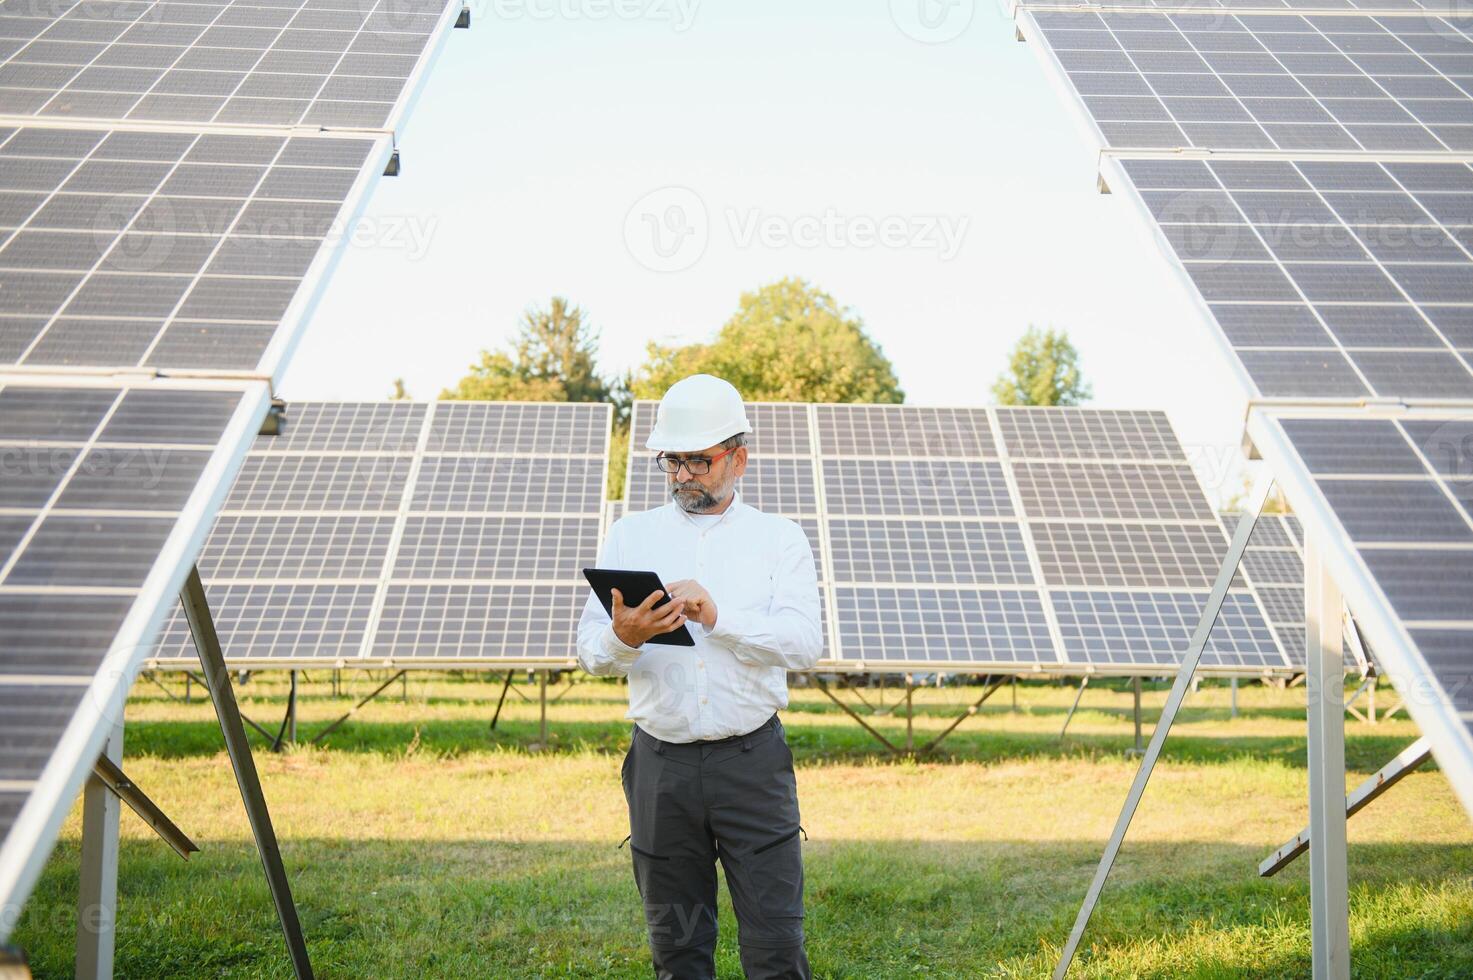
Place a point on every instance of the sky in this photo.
(653, 159)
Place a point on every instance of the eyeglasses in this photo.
(694, 465)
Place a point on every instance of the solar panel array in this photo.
(973, 539)
(1310, 173)
(406, 533)
(177, 180)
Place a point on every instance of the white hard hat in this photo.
(697, 412)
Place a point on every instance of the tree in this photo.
(552, 360)
(787, 341)
(400, 393)
(1043, 370)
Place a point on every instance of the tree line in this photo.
(787, 341)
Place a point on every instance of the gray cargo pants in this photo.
(733, 800)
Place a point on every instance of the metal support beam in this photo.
(1233, 699)
(353, 710)
(287, 733)
(572, 683)
(1407, 760)
(126, 790)
(97, 891)
(976, 706)
(851, 713)
(1190, 659)
(217, 680)
(1083, 683)
(1366, 685)
(1329, 893)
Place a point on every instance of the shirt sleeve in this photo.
(789, 634)
(600, 651)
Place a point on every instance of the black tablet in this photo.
(634, 587)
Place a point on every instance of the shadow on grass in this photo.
(974, 741)
(483, 908)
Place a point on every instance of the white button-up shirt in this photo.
(759, 570)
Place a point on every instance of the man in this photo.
(708, 775)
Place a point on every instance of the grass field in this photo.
(419, 844)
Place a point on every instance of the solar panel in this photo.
(948, 537)
(1344, 279)
(169, 250)
(1259, 82)
(117, 481)
(348, 64)
(372, 533)
(1419, 556)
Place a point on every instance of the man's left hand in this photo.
(699, 606)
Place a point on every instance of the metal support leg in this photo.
(1083, 683)
(909, 715)
(1015, 694)
(542, 702)
(291, 712)
(1190, 659)
(850, 712)
(502, 701)
(1233, 699)
(1407, 760)
(217, 680)
(353, 710)
(1325, 684)
(97, 892)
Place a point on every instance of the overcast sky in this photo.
(652, 159)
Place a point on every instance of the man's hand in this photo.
(636, 625)
(699, 605)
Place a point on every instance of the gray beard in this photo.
(695, 503)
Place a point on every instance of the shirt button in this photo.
(703, 700)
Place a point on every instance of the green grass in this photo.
(420, 844)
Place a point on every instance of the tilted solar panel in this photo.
(374, 533)
(1000, 539)
(115, 484)
(169, 250)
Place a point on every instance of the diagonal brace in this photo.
(972, 709)
(1407, 760)
(353, 710)
(1192, 658)
(217, 680)
(126, 790)
(851, 713)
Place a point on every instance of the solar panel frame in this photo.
(39, 809)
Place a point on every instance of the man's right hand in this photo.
(635, 625)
